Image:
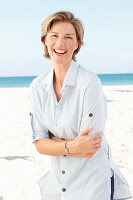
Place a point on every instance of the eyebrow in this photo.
(65, 34)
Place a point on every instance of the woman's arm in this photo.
(88, 145)
(57, 147)
(52, 137)
(82, 155)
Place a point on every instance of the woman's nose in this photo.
(60, 41)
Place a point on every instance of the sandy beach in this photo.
(21, 165)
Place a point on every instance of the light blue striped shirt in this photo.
(83, 103)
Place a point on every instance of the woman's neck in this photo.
(60, 73)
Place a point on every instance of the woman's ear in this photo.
(77, 45)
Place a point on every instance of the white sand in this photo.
(21, 165)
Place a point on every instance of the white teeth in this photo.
(59, 51)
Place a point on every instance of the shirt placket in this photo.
(63, 171)
(58, 109)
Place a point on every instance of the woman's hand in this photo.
(88, 144)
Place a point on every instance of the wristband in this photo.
(66, 149)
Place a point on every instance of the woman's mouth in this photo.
(59, 51)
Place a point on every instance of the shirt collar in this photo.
(70, 78)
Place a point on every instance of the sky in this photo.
(108, 40)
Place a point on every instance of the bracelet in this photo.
(66, 149)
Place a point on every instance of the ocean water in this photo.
(106, 79)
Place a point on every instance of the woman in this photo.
(66, 101)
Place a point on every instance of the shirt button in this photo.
(63, 189)
(90, 114)
(30, 114)
(63, 171)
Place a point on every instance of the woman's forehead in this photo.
(63, 27)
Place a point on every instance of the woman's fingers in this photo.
(93, 152)
(98, 141)
(96, 146)
(84, 132)
(96, 136)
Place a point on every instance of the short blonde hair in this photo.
(62, 16)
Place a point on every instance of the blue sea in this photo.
(106, 79)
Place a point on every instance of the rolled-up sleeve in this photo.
(94, 108)
(37, 127)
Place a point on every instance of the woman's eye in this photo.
(54, 35)
(68, 37)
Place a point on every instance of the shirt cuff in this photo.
(39, 135)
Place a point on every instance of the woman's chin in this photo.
(59, 61)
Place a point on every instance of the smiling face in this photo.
(61, 42)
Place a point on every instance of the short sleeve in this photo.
(94, 108)
(37, 127)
